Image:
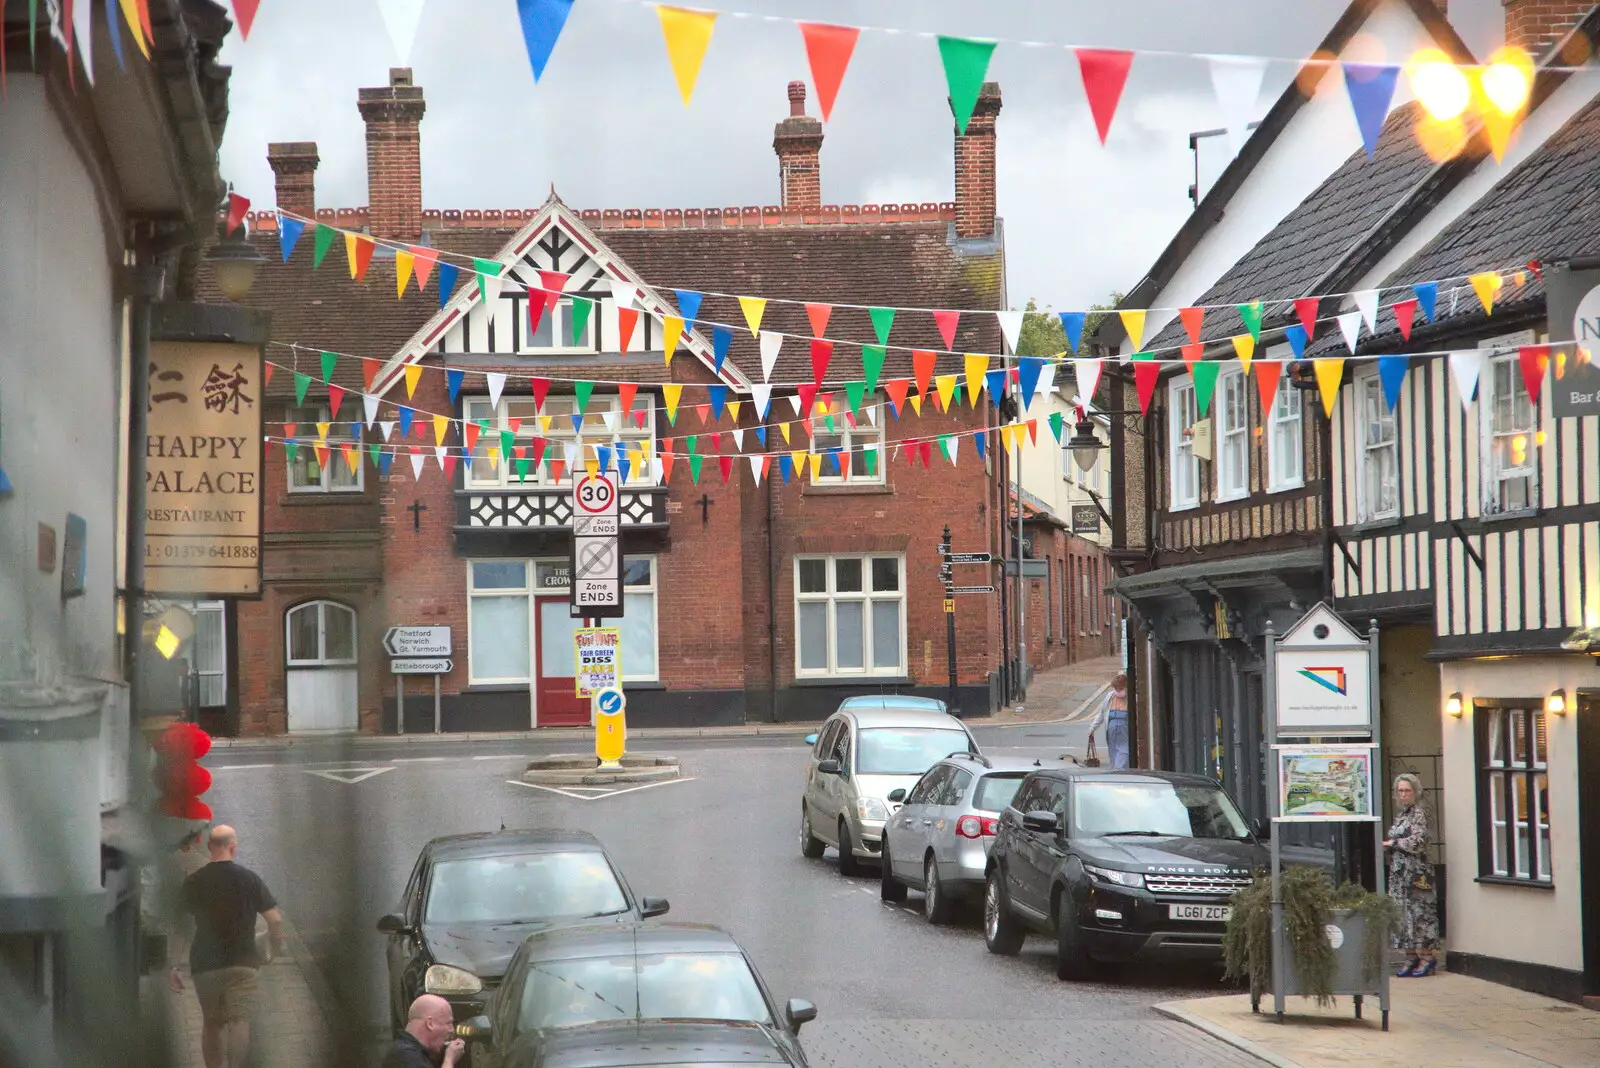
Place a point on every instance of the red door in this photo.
(559, 704)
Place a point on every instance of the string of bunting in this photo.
(70, 24)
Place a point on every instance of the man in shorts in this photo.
(225, 898)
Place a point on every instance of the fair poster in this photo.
(599, 659)
(1325, 782)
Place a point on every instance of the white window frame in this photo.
(322, 659)
(1501, 353)
(867, 597)
(1286, 433)
(525, 593)
(866, 435)
(1180, 443)
(1373, 456)
(335, 458)
(504, 474)
(557, 317)
(653, 588)
(1233, 442)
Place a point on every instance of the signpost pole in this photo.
(400, 704)
(438, 727)
(950, 633)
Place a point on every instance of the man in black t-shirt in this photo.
(225, 898)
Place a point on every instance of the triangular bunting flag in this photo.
(896, 388)
(289, 231)
(1350, 327)
(994, 383)
(946, 385)
(672, 334)
(1251, 314)
(1487, 286)
(403, 261)
(1404, 312)
(965, 64)
(542, 22)
(819, 314)
(689, 303)
(1427, 298)
(1295, 334)
(1192, 354)
(1465, 364)
(882, 322)
(872, 357)
(753, 308)
(821, 355)
(1072, 325)
(423, 260)
(946, 321)
(1392, 374)
(322, 242)
(1193, 320)
(1534, 360)
(413, 374)
(1244, 347)
(1366, 302)
(1205, 385)
(1267, 372)
(688, 35)
(1088, 375)
(452, 378)
(1371, 89)
(1146, 374)
(923, 364)
(449, 273)
(721, 341)
(976, 365)
(1237, 82)
(828, 50)
(1028, 371)
(578, 320)
(761, 396)
(1329, 371)
(1105, 72)
(671, 392)
(540, 388)
(770, 344)
(496, 382)
(302, 382)
(1133, 323)
(1306, 309)
(1010, 328)
(627, 320)
(335, 398)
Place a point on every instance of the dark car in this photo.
(608, 996)
(473, 898)
(1117, 866)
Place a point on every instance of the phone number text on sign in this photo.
(598, 652)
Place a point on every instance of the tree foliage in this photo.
(1042, 333)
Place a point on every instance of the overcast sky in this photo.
(607, 127)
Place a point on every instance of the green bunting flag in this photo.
(302, 382)
(330, 360)
(374, 450)
(324, 241)
(882, 322)
(965, 63)
(507, 440)
(1205, 384)
(1251, 314)
(486, 269)
(522, 469)
(872, 360)
(694, 468)
(579, 317)
(855, 391)
(1055, 425)
(291, 448)
(692, 442)
(583, 390)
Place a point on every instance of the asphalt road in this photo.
(336, 831)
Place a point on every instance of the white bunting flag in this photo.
(1350, 327)
(770, 344)
(762, 395)
(370, 402)
(610, 418)
(387, 426)
(1367, 302)
(1047, 379)
(1237, 83)
(491, 288)
(624, 294)
(401, 17)
(1010, 327)
(1088, 372)
(872, 414)
(755, 465)
(497, 382)
(951, 446)
(738, 438)
(569, 451)
(1465, 365)
(439, 452)
(83, 36)
(794, 399)
(417, 460)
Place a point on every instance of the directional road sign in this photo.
(972, 589)
(417, 641)
(610, 701)
(596, 553)
(436, 665)
(968, 558)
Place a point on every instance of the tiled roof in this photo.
(1317, 233)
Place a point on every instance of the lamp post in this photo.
(233, 263)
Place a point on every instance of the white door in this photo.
(321, 640)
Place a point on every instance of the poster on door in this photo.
(599, 659)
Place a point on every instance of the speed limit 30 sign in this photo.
(596, 554)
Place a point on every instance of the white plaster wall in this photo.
(1319, 138)
(1534, 925)
(60, 371)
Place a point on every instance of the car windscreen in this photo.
(660, 986)
(1153, 809)
(995, 792)
(906, 750)
(521, 887)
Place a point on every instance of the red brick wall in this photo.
(975, 192)
(1536, 24)
(294, 163)
(393, 116)
(1049, 645)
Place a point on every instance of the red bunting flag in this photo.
(267, 376)
(1306, 309)
(922, 366)
(666, 463)
(625, 394)
(472, 436)
(245, 12)
(369, 371)
(896, 389)
(540, 387)
(364, 247)
(449, 465)
(926, 448)
(1193, 354)
(704, 412)
(1033, 431)
(946, 322)
(828, 49)
(1193, 318)
(536, 308)
(515, 423)
(639, 416)
(539, 445)
(1535, 359)
(335, 396)
(627, 319)
(1146, 374)
(422, 266)
(1404, 313)
(1105, 72)
(821, 354)
(558, 468)
(553, 283)
(237, 206)
(819, 315)
(808, 401)
(1267, 373)
(726, 463)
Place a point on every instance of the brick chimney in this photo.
(295, 165)
(393, 115)
(975, 167)
(798, 142)
(1535, 25)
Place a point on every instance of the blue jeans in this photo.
(1117, 737)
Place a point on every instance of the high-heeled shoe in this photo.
(1429, 966)
(1410, 969)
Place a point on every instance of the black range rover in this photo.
(1117, 866)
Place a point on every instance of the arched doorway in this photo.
(320, 640)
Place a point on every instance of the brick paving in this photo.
(1062, 692)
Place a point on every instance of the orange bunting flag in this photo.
(627, 319)
(896, 389)
(828, 49)
(413, 375)
(1033, 431)
(369, 371)
(626, 391)
(923, 363)
(1193, 354)
(1193, 318)
(472, 430)
(363, 254)
(423, 260)
(1267, 374)
(819, 315)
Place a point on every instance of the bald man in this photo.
(225, 898)
(426, 1042)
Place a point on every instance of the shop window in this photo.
(1509, 422)
(1286, 440)
(1513, 791)
(1184, 474)
(850, 615)
(1378, 485)
(1233, 433)
(859, 442)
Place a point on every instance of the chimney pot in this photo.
(294, 164)
(798, 142)
(975, 186)
(797, 98)
(393, 114)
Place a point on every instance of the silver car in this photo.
(938, 839)
(860, 757)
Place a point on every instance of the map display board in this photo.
(1325, 782)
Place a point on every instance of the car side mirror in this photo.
(1262, 827)
(828, 767)
(811, 739)
(799, 1011)
(1041, 820)
(897, 794)
(654, 906)
(477, 1027)
(392, 924)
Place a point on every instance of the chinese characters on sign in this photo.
(203, 470)
(599, 659)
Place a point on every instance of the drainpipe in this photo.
(772, 604)
(144, 287)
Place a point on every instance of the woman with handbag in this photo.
(1113, 714)
(1411, 880)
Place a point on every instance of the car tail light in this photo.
(991, 826)
(970, 827)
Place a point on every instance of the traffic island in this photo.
(577, 770)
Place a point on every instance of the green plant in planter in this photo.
(1309, 900)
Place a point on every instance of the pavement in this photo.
(1445, 1021)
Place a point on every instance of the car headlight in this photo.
(870, 808)
(1111, 875)
(443, 979)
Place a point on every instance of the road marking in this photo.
(582, 797)
(241, 767)
(349, 776)
(415, 760)
(507, 756)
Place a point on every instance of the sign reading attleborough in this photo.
(203, 470)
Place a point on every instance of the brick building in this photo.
(746, 599)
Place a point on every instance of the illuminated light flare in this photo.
(1438, 84)
(1508, 79)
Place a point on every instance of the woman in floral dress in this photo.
(1411, 880)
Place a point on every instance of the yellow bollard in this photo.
(610, 728)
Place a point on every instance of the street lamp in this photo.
(1083, 444)
(233, 263)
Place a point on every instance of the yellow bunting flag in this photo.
(1329, 372)
(672, 328)
(130, 13)
(591, 463)
(816, 465)
(976, 366)
(544, 424)
(352, 459)
(671, 392)
(688, 35)
(916, 402)
(494, 457)
(413, 375)
(946, 385)
(441, 427)
(783, 427)
(402, 270)
(798, 458)
(1487, 286)
(322, 431)
(754, 308)
(1244, 346)
(1133, 323)
(733, 409)
(350, 250)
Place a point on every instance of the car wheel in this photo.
(1072, 958)
(936, 904)
(892, 889)
(847, 851)
(810, 845)
(1001, 931)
